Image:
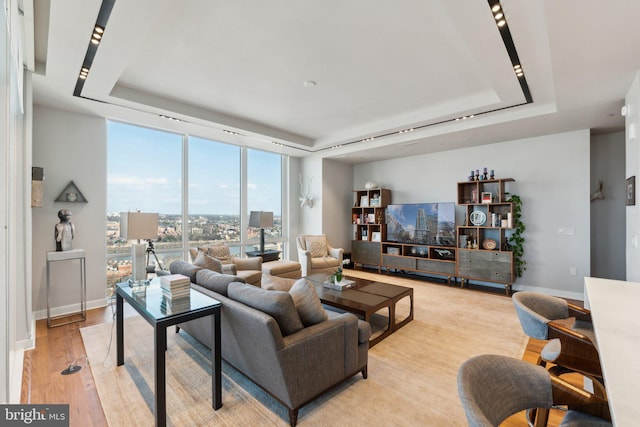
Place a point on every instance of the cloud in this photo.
(123, 180)
(162, 181)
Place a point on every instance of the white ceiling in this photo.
(380, 67)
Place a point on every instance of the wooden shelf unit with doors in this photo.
(436, 260)
(368, 219)
(483, 249)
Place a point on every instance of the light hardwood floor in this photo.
(56, 348)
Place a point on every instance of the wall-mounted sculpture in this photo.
(306, 199)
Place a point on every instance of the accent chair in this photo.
(316, 255)
(494, 387)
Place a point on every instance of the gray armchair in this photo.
(568, 327)
(250, 269)
(316, 255)
(493, 387)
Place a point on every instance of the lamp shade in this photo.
(261, 219)
(139, 225)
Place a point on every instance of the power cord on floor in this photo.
(113, 324)
(73, 367)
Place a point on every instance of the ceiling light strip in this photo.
(96, 36)
(503, 28)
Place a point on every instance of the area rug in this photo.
(412, 373)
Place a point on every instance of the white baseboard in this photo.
(579, 296)
(70, 309)
(16, 364)
(29, 343)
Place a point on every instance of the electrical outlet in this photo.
(569, 231)
(572, 271)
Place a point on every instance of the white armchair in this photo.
(316, 255)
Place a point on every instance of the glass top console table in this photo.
(148, 302)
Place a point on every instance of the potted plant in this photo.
(337, 276)
(516, 240)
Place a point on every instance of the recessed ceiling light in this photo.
(310, 83)
(495, 8)
(498, 16)
(501, 23)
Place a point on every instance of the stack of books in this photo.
(176, 291)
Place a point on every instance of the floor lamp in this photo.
(262, 220)
(140, 226)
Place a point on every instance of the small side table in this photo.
(267, 256)
(78, 254)
(154, 311)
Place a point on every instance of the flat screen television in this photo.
(422, 223)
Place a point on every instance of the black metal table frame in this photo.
(160, 345)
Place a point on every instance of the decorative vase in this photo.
(370, 185)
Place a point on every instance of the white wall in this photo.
(337, 200)
(311, 218)
(632, 168)
(552, 178)
(608, 214)
(70, 146)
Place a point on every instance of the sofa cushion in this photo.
(316, 245)
(307, 302)
(216, 282)
(185, 268)
(277, 304)
(219, 251)
(205, 261)
(275, 283)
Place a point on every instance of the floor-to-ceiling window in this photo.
(221, 183)
(214, 193)
(144, 174)
(264, 193)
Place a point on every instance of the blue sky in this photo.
(144, 172)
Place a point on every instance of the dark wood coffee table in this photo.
(366, 298)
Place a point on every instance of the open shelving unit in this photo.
(483, 250)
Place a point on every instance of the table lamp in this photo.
(139, 226)
(262, 220)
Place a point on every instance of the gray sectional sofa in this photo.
(264, 338)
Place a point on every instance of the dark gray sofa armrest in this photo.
(184, 268)
(331, 347)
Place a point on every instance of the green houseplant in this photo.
(516, 239)
(337, 276)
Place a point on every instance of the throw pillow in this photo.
(307, 302)
(216, 282)
(275, 283)
(205, 261)
(219, 251)
(317, 245)
(276, 304)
